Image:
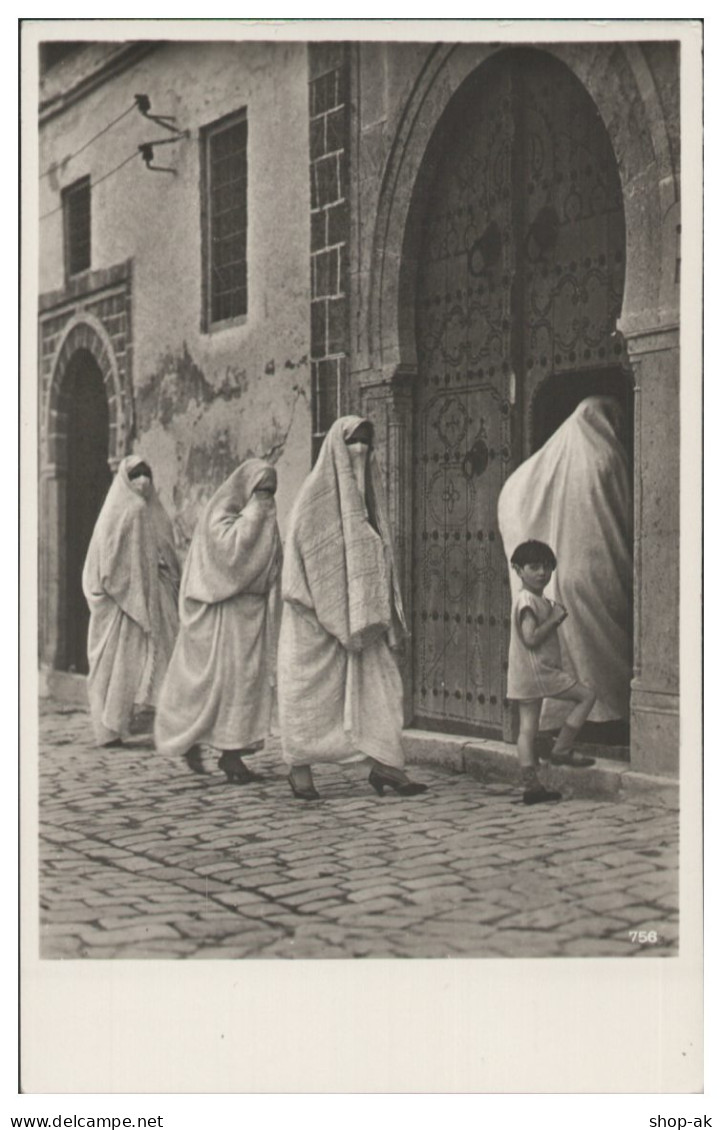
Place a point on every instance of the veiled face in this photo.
(358, 443)
(358, 454)
(363, 432)
(140, 479)
(263, 498)
(141, 484)
(358, 449)
(265, 489)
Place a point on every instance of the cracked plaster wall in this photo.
(202, 401)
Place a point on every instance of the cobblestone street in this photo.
(141, 859)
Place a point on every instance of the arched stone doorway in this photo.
(84, 434)
(643, 136)
(520, 278)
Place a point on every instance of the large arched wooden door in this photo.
(520, 277)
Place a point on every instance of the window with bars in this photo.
(225, 219)
(76, 226)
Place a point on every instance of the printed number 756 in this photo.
(644, 937)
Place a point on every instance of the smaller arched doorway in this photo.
(87, 482)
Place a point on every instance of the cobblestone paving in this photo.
(141, 859)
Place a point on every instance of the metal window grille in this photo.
(226, 170)
(76, 222)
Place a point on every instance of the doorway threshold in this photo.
(490, 760)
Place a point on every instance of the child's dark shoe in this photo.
(544, 746)
(537, 794)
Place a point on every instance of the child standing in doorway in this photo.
(536, 672)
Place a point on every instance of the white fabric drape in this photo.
(575, 495)
(340, 691)
(130, 581)
(219, 687)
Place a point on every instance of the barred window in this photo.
(76, 226)
(225, 220)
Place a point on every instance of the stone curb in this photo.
(489, 760)
(484, 759)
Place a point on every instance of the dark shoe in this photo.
(537, 794)
(236, 771)
(571, 758)
(303, 794)
(380, 781)
(194, 760)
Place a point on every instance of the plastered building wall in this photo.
(200, 401)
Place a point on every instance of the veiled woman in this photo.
(340, 691)
(219, 688)
(575, 495)
(130, 581)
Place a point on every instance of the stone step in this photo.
(487, 759)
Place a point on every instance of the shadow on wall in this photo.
(558, 396)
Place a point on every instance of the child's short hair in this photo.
(533, 553)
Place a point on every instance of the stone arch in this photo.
(632, 115)
(84, 332)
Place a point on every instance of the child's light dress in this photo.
(535, 673)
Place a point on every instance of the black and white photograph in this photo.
(358, 410)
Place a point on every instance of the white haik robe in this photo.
(575, 495)
(130, 581)
(340, 691)
(220, 683)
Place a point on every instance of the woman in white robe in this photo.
(130, 581)
(340, 691)
(575, 495)
(219, 689)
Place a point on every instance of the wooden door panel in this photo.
(574, 238)
(462, 436)
(521, 269)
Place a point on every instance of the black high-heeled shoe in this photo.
(379, 781)
(194, 760)
(303, 794)
(235, 769)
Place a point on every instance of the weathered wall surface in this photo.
(202, 401)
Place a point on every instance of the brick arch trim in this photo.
(85, 332)
(651, 216)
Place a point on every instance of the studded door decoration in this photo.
(521, 269)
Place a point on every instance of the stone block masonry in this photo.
(329, 173)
